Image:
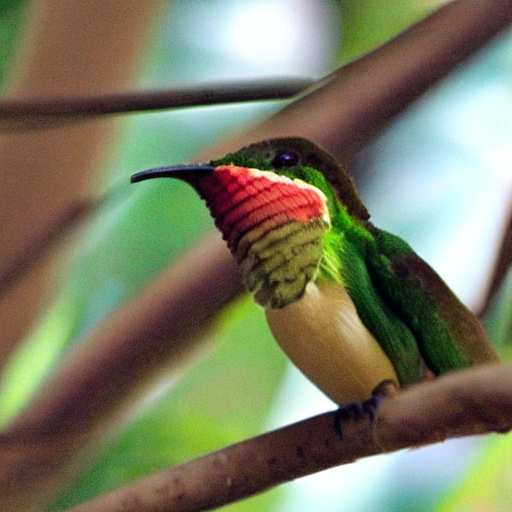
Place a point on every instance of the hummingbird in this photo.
(352, 306)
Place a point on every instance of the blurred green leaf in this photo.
(367, 24)
(498, 321)
(488, 486)
(11, 17)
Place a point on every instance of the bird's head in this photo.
(273, 202)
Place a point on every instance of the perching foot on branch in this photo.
(356, 411)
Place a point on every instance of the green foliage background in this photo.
(229, 392)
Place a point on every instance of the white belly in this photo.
(323, 336)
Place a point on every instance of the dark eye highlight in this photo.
(285, 159)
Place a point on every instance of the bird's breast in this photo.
(323, 336)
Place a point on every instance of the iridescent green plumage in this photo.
(416, 318)
(377, 294)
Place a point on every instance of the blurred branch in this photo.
(464, 403)
(38, 248)
(502, 265)
(113, 361)
(360, 98)
(100, 379)
(70, 48)
(22, 115)
(99, 376)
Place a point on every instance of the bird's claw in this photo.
(356, 411)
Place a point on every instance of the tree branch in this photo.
(356, 101)
(502, 265)
(463, 403)
(35, 250)
(22, 115)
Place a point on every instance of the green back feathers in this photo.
(449, 336)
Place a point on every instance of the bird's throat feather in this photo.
(274, 226)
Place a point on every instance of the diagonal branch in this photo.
(112, 362)
(98, 382)
(464, 403)
(502, 265)
(359, 99)
(35, 250)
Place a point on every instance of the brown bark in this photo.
(464, 403)
(86, 47)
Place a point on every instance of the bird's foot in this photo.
(356, 411)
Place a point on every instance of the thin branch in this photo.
(22, 115)
(463, 403)
(502, 265)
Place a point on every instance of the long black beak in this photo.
(187, 173)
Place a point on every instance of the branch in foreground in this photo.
(464, 403)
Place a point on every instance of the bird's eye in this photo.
(285, 159)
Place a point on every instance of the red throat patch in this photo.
(240, 199)
(273, 225)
